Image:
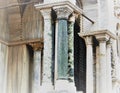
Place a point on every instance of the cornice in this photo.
(15, 43)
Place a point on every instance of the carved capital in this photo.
(102, 37)
(46, 13)
(36, 45)
(63, 12)
(88, 40)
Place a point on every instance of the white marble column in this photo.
(109, 68)
(36, 72)
(97, 69)
(37, 64)
(47, 51)
(89, 62)
(102, 63)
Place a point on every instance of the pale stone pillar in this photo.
(36, 71)
(102, 63)
(97, 69)
(109, 68)
(47, 53)
(89, 62)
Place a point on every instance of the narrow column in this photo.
(102, 63)
(47, 53)
(36, 73)
(109, 68)
(89, 71)
(97, 69)
(71, 48)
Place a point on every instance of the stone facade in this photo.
(62, 46)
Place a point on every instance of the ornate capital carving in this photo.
(36, 45)
(63, 12)
(46, 13)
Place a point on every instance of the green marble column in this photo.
(62, 49)
(63, 13)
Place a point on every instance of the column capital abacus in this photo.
(102, 37)
(63, 12)
(46, 13)
(88, 40)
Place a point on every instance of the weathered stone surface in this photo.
(62, 54)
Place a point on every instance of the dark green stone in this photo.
(62, 48)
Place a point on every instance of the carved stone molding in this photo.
(36, 46)
(63, 12)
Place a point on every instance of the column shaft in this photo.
(89, 73)
(97, 69)
(62, 53)
(36, 72)
(109, 69)
(47, 56)
(102, 62)
(71, 51)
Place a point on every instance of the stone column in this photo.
(36, 73)
(62, 83)
(109, 68)
(97, 69)
(102, 63)
(47, 53)
(89, 62)
(63, 13)
(71, 48)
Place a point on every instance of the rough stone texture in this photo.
(47, 56)
(71, 51)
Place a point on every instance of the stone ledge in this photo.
(99, 32)
(62, 3)
(15, 43)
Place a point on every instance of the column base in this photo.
(63, 86)
(46, 88)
